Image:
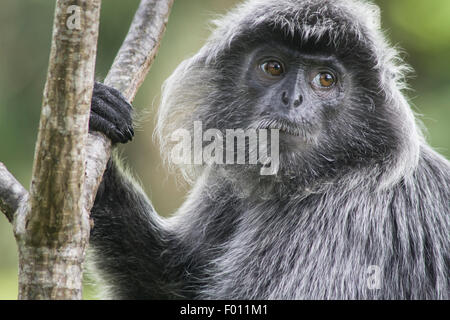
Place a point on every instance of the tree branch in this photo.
(140, 47)
(53, 242)
(12, 193)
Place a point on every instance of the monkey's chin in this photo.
(295, 143)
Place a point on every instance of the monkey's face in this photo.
(300, 93)
(304, 90)
(325, 101)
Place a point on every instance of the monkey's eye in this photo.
(324, 80)
(273, 68)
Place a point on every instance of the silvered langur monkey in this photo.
(359, 206)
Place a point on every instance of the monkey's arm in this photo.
(129, 243)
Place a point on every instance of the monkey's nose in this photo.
(298, 101)
(284, 98)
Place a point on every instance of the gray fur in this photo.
(371, 192)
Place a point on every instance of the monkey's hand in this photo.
(111, 114)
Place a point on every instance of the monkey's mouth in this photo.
(284, 126)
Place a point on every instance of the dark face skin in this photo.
(294, 91)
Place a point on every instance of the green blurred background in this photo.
(421, 28)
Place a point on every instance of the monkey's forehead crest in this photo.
(295, 15)
(340, 21)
